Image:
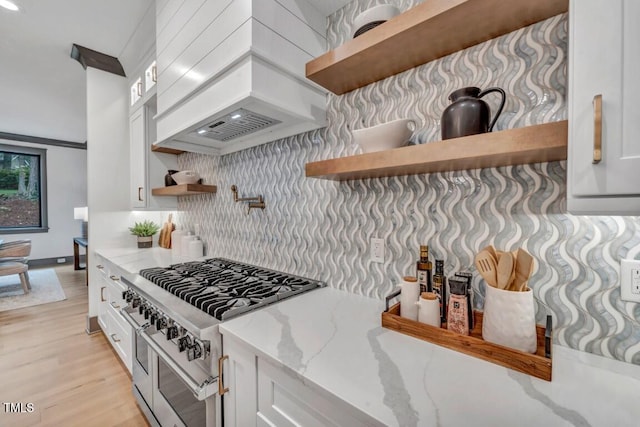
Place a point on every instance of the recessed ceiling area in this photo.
(43, 89)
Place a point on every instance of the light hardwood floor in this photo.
(72, 379)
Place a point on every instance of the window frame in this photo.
(42, 153)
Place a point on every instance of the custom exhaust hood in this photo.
(249, 87)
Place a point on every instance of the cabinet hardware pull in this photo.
(100, 267)
(102, 299)
(221, 389)
(597, 129)
(114, 305)
(139, 195)
(140, 88)
(114, 278)
(154, 73)
(113, 337)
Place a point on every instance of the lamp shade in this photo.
(81, 213)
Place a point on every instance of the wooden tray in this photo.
(537, 365)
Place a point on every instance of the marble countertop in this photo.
(132, 259)
(333, 342)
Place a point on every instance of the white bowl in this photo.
(185, 177)
(386, 136)
(382, 12)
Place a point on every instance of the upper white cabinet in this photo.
(148, 168)
(604, 113)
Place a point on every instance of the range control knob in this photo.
(172, 332)
(195, 350)
(129, 296)
(161, 323)
(153, 317)
(135, 302)
(142, 307)
(184, 343)
(147, 313)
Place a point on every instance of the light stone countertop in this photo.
(132, 259)
(332, 340)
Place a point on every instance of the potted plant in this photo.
(144, 230)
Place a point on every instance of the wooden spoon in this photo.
(505, 270)
(524, 268)
(486, 265)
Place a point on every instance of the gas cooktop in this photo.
(225, 288)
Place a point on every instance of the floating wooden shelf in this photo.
(429, 31)
(184, 190)
(167, 150)
(532, 144)
(538, 364)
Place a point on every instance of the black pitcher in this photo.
(168, 180)
(468, 114)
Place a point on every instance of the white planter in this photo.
(509, 319)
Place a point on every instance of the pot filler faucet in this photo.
(254, 202)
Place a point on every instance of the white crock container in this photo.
(510, 319)
(409, 293)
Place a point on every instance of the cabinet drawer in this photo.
(119, 335)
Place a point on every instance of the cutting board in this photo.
(164, 240)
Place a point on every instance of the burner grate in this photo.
(225, 288)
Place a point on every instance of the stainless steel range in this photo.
(175, 312)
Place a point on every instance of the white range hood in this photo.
(239, 81)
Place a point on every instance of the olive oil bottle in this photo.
(423, 270)
(440, 288)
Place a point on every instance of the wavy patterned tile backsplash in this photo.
(321, 229)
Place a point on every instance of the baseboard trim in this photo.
(53, 262)
(92, 325)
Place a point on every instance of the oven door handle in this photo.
(201, 391)
(136, 327)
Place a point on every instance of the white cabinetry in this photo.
(263, 394)
(147, 168)
(603, 59)
(114, 326)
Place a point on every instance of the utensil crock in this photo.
(509, 319)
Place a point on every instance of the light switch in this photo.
(630, 280)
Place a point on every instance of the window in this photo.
(23, 189)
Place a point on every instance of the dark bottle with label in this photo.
(440, 288)
(423, 270)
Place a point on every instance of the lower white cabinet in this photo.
(264, 394)
(114, 326)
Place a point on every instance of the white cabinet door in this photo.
(148, 168)
(263, 394)
(137, 141)
(239, 376)
(603, 58)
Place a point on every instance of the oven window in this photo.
(142, 353)
(191, 411)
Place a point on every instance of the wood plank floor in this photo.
(72, 379)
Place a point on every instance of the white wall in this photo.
(66, 189)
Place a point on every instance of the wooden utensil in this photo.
(505, 270)
(486, 265)
(524, 268)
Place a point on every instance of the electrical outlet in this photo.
(377, 250)
(630, 280)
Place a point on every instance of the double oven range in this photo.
(175, 312)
